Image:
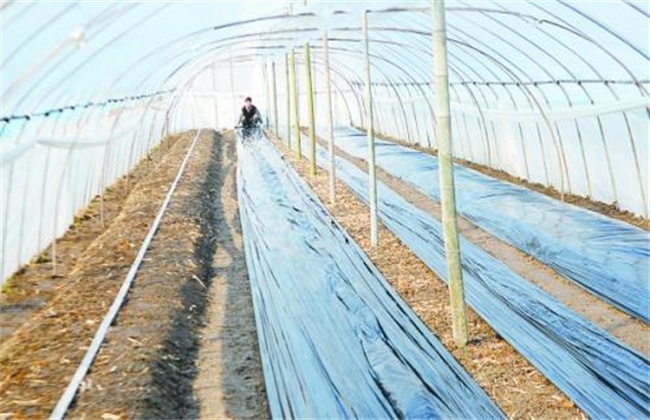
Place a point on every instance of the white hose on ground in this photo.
(70, 392)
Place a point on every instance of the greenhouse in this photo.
(325, 209)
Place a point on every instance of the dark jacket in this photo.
(250, 117)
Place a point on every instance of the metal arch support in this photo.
(571, 29)
(637, 8)
(383, 59)
(541, 110)
(275, 100)
(37, 32)
(99, 51)
(513, 101)
(543, 69)
(567, 97)
(642, 90)
(607, 29)
(372, 171)
(310, 110)
(288, 92)
(295, 102)
(482, 117)
(214, 87)
(330, 123)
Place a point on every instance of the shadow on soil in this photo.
(171, 394)
(173, 374)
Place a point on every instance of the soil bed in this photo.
(35, 284)
(147, 368)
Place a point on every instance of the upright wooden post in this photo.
(372, 173)
(232, 87)
(315, 88)
(296, 105)
(275, 100)
(267, 95)
(330, 123)
(216, 99)
(288, 85)
(310, 104)
(446, 175)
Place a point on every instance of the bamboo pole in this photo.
(314, 79)
(288, 85)
(446, 175)
(330, 123)
(372, 173)
(216, 99)
(232, 87)
(310, 104)
(275, 100)
(296, 110)
(267, 94)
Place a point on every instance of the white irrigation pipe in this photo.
(70, 392)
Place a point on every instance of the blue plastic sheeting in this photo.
(599, 373)
(609, 258)
(336, 341)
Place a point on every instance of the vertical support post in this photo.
(448, 202)
(232, 88)
(214, 89)
(193, 108)
(310, 104)
(267, 99)
(288, 86)
(372, 173)
(296, 105)
(275, 101)
(315, 89)
(330, 123)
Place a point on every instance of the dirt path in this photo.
(230, 382)
(626, 328)
(510, 380)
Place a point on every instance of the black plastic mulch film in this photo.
(336, 340)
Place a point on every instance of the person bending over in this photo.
(250, 116)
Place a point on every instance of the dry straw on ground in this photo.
(149, 365)
(35, 284)
(41, 356)
(624, 327)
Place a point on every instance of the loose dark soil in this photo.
(230, 383)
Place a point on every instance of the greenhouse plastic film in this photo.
(607, 257)
(326, 315)
(601, 375)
